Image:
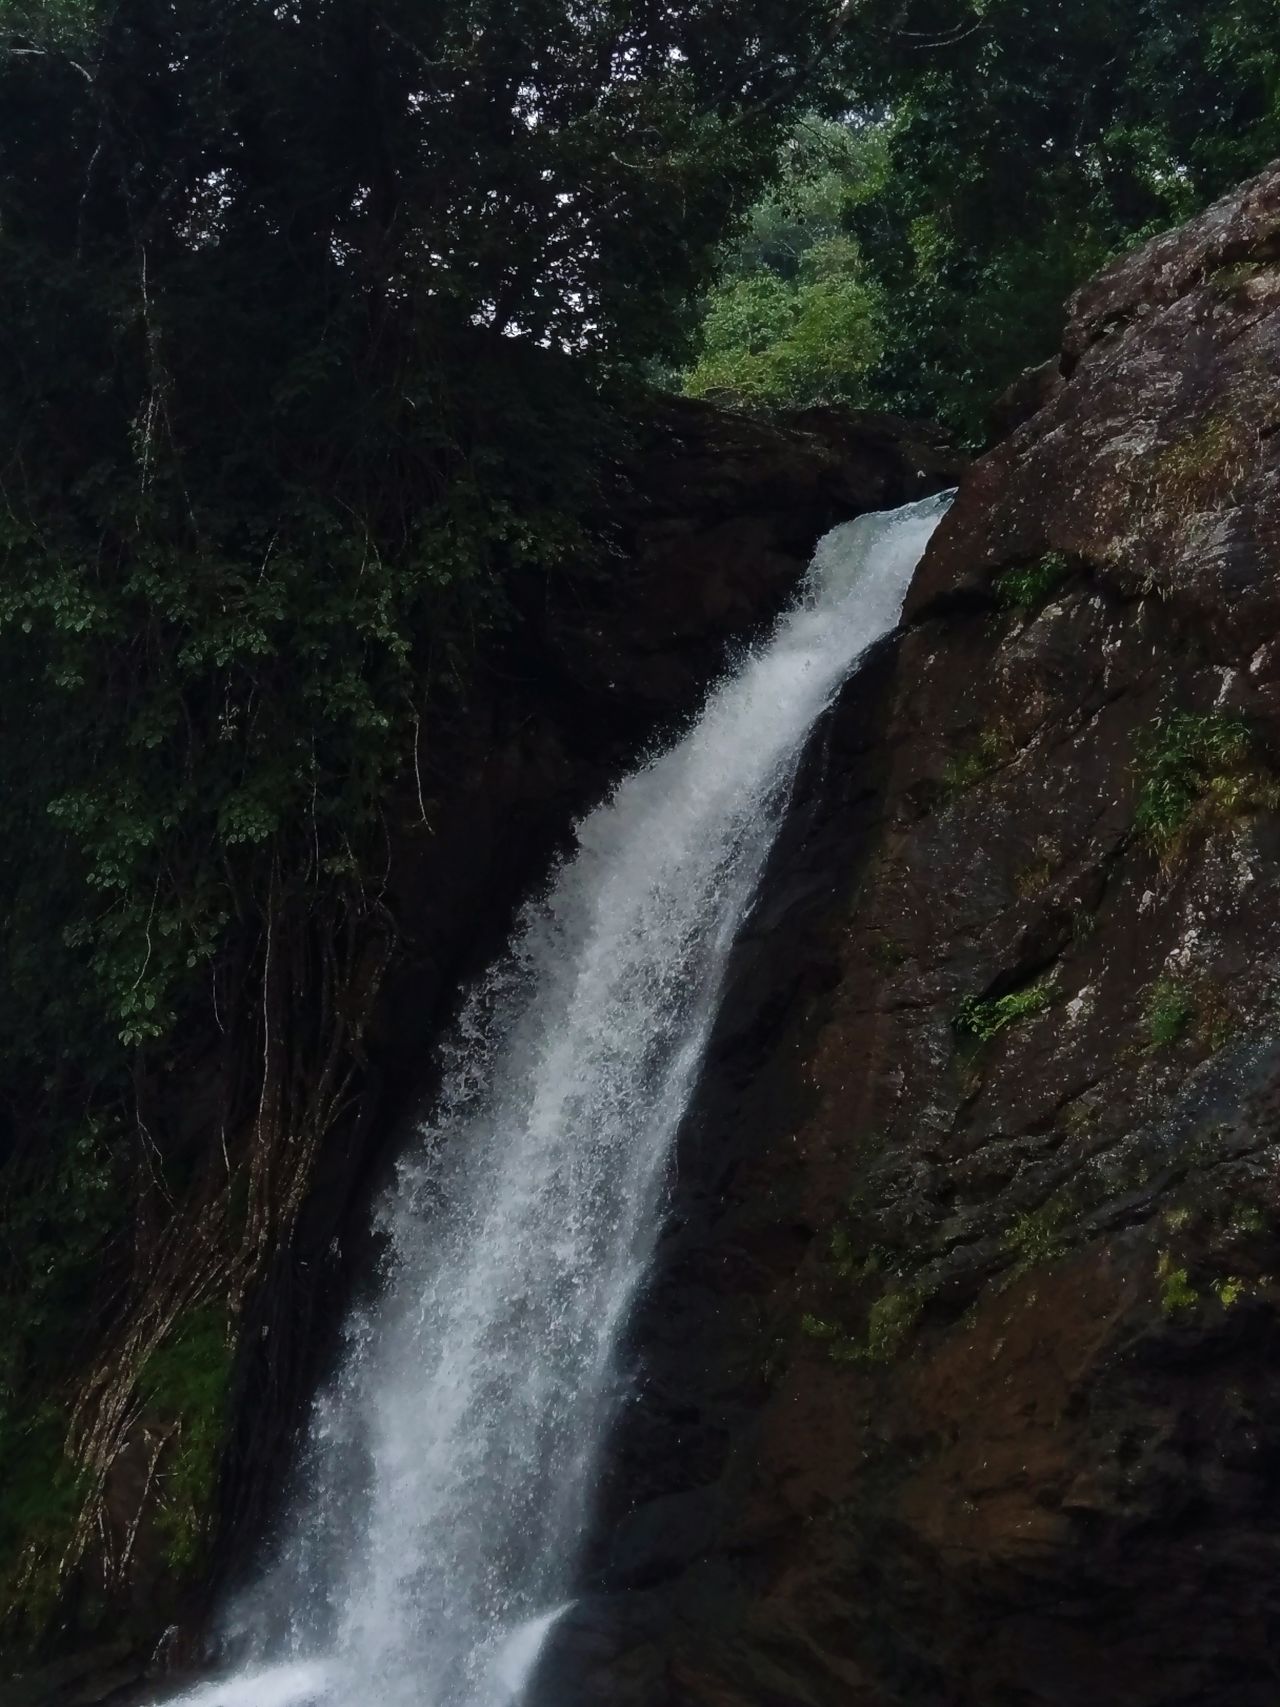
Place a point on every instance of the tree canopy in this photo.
(992, 154)
(308, 312)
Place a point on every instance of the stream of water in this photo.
(450, 1465)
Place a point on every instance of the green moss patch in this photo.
(891, 1321)
(1226, 281)
(1038, 1235)
(1027, 586)
(851, 1272)
(976, 762)
(41, 1494)
(1177, 1294)
(184, 1383)
(1170, 1010)
(1188, 1005)
(1194, 767)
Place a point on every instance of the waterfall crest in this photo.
(450, 1463)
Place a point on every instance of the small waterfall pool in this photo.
(450, 1465)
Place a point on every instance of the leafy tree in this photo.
(995, 153)
(812, 340)
(795, 320)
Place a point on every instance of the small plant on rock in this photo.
(1195, 766)
(1176, 1291)
(1230, 1290)
(1036, 876)
(1226, 281)
(976, 762)
(1179, 1004)
(888, 954)
(1245, 1220)
(980, 1018)
(1170, 1010)
(184, 1384)
(1037, 1236)
(890, 1324)
(819, 1327)
(1199, 468)
(1026, 586)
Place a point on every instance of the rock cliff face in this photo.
(959, 1381)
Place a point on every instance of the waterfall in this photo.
(450, 1464)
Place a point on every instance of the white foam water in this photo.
(450, 1464)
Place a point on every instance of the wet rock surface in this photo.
(959, 1380)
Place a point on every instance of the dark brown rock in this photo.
(1028, 394)
(713, 520)
(958, 1379)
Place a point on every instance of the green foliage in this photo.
(1197, 466)
(40, 1499)
(766, 340)
(825, 169)
(1177, 1294)
(1177, 1003)
(891, 1323)
(976, 762)
(1036, 876)
(1027, 586)
(272, 463)
(57, 1214)
(1230, 1290)
(890, 1318)
(1001, 153)
(1230, 1222)
(1038, 141)
(321, 327)
(982, 1018)
(1189, 759)
(819, 1327)
(1170, 1010)
(1245, 1220)
(1037, 1236)
(795, 320)
(184, 1385)
(843, 1257)
(1226, 281)
(1084, 923)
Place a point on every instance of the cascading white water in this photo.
(451, 1463)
